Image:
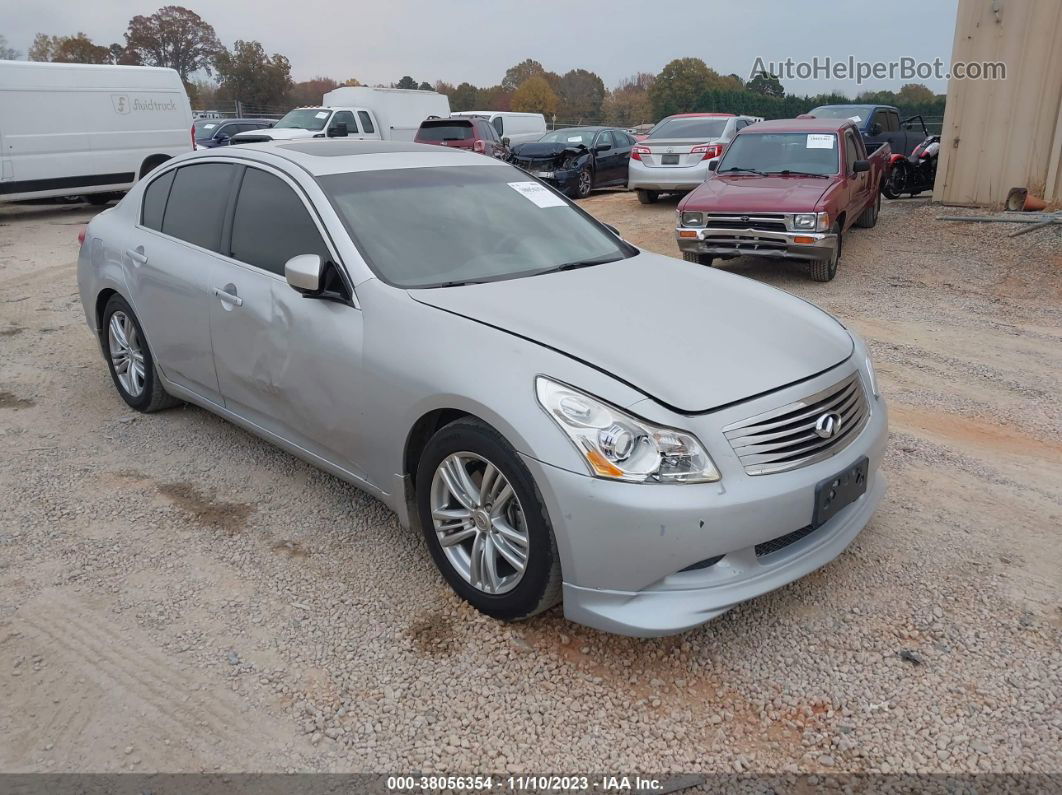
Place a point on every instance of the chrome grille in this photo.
(770, 222)
(785, 438)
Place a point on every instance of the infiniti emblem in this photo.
(827, 425)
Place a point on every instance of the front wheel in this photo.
(485, 524)
(585, 183)
(896, 183)
(648, 196)
(824, 270)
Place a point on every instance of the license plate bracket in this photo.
(844, 488)
(670, 160)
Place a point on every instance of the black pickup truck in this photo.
(877, 124)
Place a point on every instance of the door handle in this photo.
(227, 297)
(137, 255)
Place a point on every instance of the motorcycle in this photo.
(916, 173)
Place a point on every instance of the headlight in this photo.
(619, 446)
(872, 378)
(691, 219)
(805, 221)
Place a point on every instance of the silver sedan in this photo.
(562, 415)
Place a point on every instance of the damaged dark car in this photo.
(577, 159)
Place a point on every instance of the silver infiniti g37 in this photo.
(564, 416)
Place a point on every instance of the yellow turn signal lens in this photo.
(602, 465)
(687, 233)
(803, 239)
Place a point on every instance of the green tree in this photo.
(767, 84)
(247, 74)
(679, 84)
(494, 98)
(517, 75)
(8, 53)
(425, 86)
(406, 82)
(580, 95)
(628, 103)
(535, 96)
(914, 94)
(78, 48)
(464, 97)
(310, 92)
(174, 37)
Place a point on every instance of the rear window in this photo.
(448, 130)
(689, 128)
(155, 201)
(196, 207)
(856, 113)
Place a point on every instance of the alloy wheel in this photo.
(127, 356)
(586, 183)
(479, 522)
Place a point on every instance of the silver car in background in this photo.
(559, 413)
(674, 157)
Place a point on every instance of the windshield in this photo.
(445, 131)
(570, 137)
(304, 119)
(425, 227)
(854, 112)
(702, 129)
(205, 129)
(771, 153)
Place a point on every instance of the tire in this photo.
(584, 184)
(824, 270)
(700, 259)
(99, 199)
(868, 219)
(473, 446)
(150, 396)
(648, 196)
(895, 184)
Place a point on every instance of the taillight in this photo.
(638, 151)
(708, 150)
(479, 146)
(81, 235)
(193, 137)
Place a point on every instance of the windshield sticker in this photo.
(856, 119)
(321, 114)
(574, 139)
(209, 126)
(818, 141)
(539, 194)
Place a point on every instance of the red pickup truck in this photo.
(788, 188)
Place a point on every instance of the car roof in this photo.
(697, 115)
(331, 156)
(798, 125)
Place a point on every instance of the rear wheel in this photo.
(823, 270)
(700, 259)
(485, 524)
(869, 217)
(648, 196)
(130, 361)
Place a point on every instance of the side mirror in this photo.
(304, 273)
(602, 147)
(338, 130)
(221, 138)
(875, 129)
(271, 125)
(505, 140)
(713, 165)
(860, 166)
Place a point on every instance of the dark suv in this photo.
(477, 135)
(217, 132)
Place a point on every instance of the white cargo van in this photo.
(519, 128)
(80, 129)
(389, 114)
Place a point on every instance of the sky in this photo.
(477, 40)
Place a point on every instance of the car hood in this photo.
(690, 337)
(745, 192)
(273, 134)
(537, 149)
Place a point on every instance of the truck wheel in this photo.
(869, 217)
(648, 196)
(700, 259)
(823, 270)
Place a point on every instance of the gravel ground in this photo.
(177, 595)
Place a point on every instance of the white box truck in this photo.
(389, 114)
(80, 129)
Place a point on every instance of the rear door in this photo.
(288, 364)
(168, 265)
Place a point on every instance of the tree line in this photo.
(178, 38)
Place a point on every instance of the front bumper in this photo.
(563, 180)
(666, 178)
(626, 548)
(756, 242)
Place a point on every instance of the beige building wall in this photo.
(1000, 134)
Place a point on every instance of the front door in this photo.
(286, 363)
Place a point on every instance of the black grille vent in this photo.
(780, 543)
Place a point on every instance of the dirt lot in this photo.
(178, 595)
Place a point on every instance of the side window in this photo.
(499, 124)
(603, 139)
(487, 130)
(347, 118)
(366, 121)
(271, 225)
(851, 151)
(155, 201)
(198, 199)
(880, 117)
(893, 120)
(619, 140)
